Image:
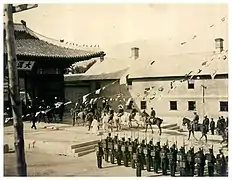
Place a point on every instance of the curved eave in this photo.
(69, 58)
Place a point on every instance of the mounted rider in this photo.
(195, 120)
(133, 113)
(120, 111)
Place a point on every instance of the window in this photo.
(173, 105)
(143, 104)
(190, 84)
(224, 106)
(191, 105)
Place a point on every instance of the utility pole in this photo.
(203, 97)
(14, 88)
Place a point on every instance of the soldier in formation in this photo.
(152, 158)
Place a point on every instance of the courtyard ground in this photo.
(51, 155)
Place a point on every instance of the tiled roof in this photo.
(85, 77)
(179, 65)
(40, 48)
(35, 47)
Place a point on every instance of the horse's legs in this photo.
(205, 138)
(160, 130)
(146, 127)
(189, 134)
(194, 135)
(151, 129)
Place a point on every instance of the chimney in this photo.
(135, 53)
(219, 45)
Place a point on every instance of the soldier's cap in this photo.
(109, 134)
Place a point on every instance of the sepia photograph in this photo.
(115, 90)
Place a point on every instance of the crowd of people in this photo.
(160, 159)
(39, 110)
(207, 125)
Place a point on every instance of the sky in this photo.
(112, 24)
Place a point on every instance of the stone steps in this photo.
(75, 146)
(84, 148)
(85, 152)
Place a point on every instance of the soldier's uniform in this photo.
(105, 149)
(111, 149)
(211, 162)
(119, 152)
(157, 162)
(172, 157)
(114, 152)
(143, 160)
(200, 161)
(125, 152)
(146, 151)
(99, 153)
(134, 148)
(221, 164)
(190, 159)
(139, 161)
(182, 161)
(129, 143)
(164, 160)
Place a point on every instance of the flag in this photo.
(213, 73)
(91, 101)
(194, 37)
(183, 43)
(85, 97)
(211, 25)
(69, 102)
(152, 62)
(223, 19)
(128, 102)
(98, 91)
(199, 71)
(204, 63)
(123, 79)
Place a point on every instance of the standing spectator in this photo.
(206, 123)
(33, 121)
(212, 126)
(219, 122)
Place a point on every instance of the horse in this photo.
(157, 121)
(190, 127)
(80, 117)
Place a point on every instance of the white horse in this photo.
(124, 120)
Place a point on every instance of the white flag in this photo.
(98, 91)
(85, 97)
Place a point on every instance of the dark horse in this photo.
(157, 121)
(191, 127)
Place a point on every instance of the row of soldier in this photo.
(153, 157)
